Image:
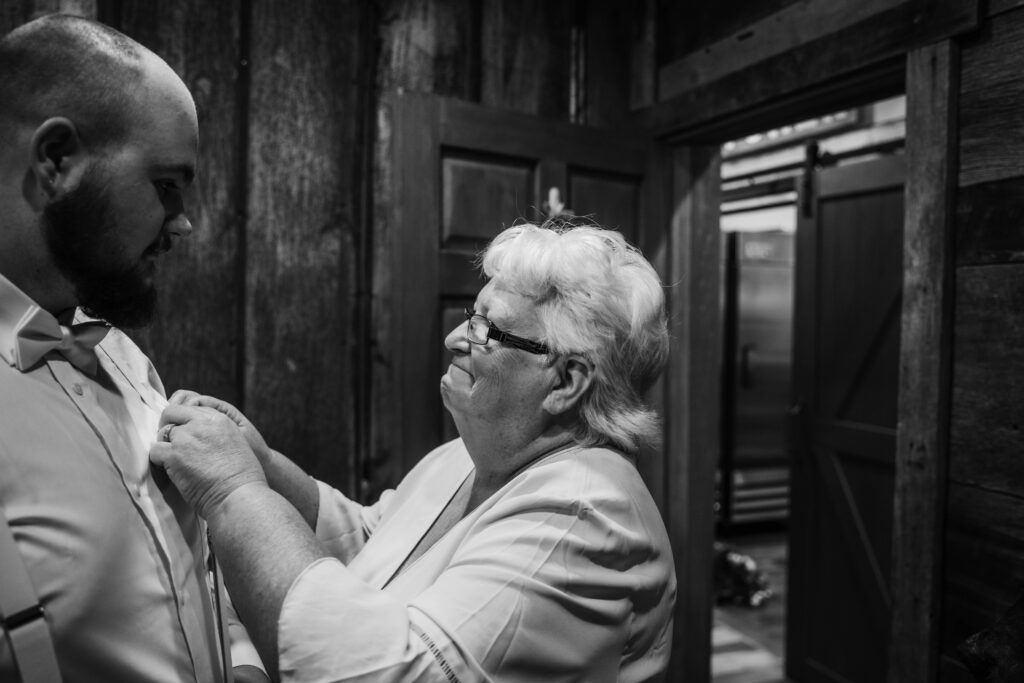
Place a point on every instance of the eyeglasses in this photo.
(481, 329)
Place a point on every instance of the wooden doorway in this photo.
(930, 83)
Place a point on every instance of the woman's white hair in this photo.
(596, 296)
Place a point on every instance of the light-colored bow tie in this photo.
(38, 333)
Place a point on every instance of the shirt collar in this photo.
(17, 308)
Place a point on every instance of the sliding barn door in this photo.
(846, 355)
(460, 174)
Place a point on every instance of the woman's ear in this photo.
(56, 151)
(574, 375)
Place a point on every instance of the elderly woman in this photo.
(526, 550)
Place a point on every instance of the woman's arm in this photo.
(261, 541)
(283, 475)
(262, 545)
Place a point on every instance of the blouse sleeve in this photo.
(343, 525)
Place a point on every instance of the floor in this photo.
(748, 644)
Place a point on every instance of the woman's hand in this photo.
(252, 435)
(205, 454)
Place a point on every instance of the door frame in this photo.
(929, 77)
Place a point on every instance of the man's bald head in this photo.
(67, 66)
(98, 142)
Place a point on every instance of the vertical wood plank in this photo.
(526, 56)
(404, 287)
(304, 190)
(653, 238)
(692, 439)
(13, 13)
(430, 47)
(609, 50)
(644, 65)
(925, 379)
(194, 341)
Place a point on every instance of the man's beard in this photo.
(82, 236)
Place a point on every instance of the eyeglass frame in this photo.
(493, 332)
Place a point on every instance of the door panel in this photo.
(846, 360)
(479, 192)
(463, 173)
(615, 198)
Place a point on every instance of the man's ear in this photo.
(56, 157)
(575, 373)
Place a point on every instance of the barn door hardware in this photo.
(812, 158)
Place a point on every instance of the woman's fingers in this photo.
(185, 397)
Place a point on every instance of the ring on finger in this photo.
(165, 432)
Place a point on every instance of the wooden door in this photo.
(462, 173)
(849, 271)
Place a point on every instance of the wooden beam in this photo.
(990, 133)
(794, 25)
(922, 440)
(692, 406)
(848, 66)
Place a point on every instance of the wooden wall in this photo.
(564, 61)
(984, 567)
(982, 561)
(280, 299)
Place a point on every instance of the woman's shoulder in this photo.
(588, 472)
(588, 482)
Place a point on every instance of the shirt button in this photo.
(77, 388)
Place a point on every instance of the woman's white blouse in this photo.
(565, 574)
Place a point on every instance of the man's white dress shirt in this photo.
(117, 559)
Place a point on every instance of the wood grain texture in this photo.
(802, 22)
(654, 240)
(431, 47)
(685, 27)
(303, 161)
(473, 127)
(13, 13)
(992, 87)
(81, 8)
(405, 220)
(983, 572)
(990, 223)
(611, 39)
(195, 340)
(643, 68)
(924, 376)
(987, 431)
(526, 55)
(819, 64)
(692, 437)
(994, 7)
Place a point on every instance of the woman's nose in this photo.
(456, 341)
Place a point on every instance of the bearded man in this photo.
(105, 573)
